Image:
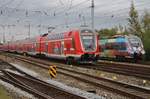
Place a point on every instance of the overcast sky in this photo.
(16, 15)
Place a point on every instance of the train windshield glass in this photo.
(135, 42)
(88, 40)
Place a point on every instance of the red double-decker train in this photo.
(79, 45)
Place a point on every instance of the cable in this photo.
(45, 13)
(68, 9)
(104, 21)
(119, 11)
(101, 18)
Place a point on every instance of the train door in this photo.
(46, 47)
(62, 47)
(37, 47)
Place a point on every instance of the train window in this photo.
(55, 48)
(88, 42)
(120, 46)
(123, 46)
(57, 51)
(109, 46)
(115, 46)
(56, 36)
(86, 31)
(102, 48)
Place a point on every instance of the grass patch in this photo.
(3, 93)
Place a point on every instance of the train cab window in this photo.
(135, 41)
(88, 39)
(86, 31)
(88, 42)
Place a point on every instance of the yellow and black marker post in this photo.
(52, 71)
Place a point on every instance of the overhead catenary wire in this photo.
(119, 17)
(63, 12)
(118, 13)
(105, 14)
(44, 12)
(73, 9)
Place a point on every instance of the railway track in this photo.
(31, 85)
(137, 70)
(24, 87)
(125, 89)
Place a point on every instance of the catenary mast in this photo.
(92, 15)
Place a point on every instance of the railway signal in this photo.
(52, 71)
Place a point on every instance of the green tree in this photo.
(126, 31)
(146, 22)
(134, 23)
(123, 30)
(107, 32)
(146, 30)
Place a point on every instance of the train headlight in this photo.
(143, 52)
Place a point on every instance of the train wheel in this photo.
(24, 54)
(135, 56)
(120, 58)
(69, 60)
(96, 58)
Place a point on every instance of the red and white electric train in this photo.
(80, 45)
